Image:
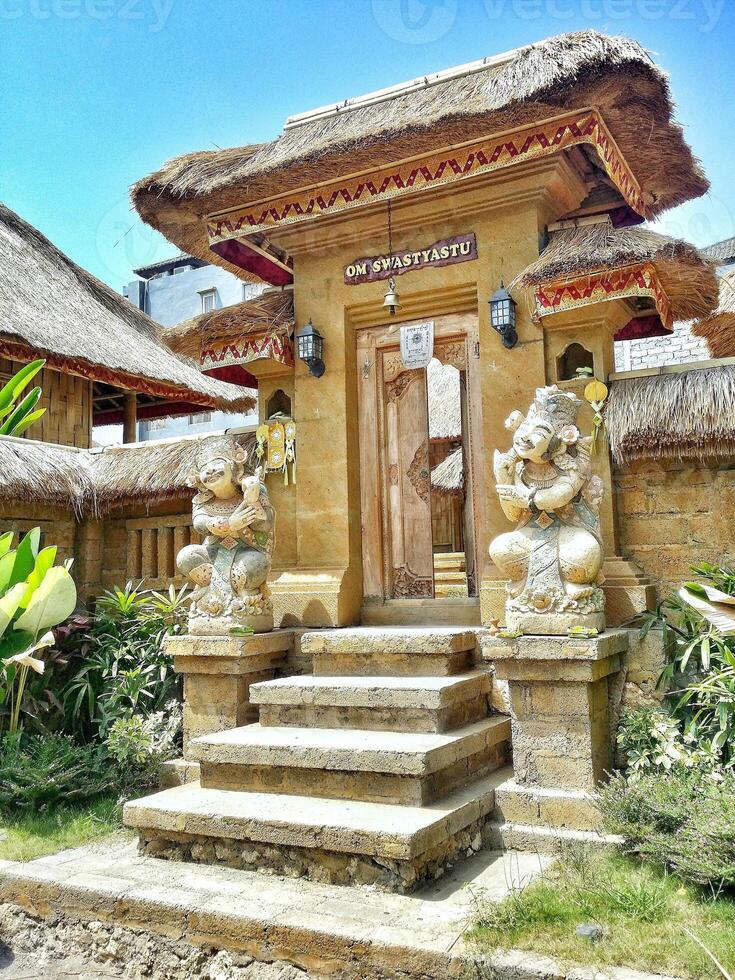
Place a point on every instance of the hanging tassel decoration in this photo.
(290, 434)
(596, 393)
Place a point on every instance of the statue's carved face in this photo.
(532, 439)
(217, 475)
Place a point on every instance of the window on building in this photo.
(181, 268)
(209, 297)
(200, 418)
(153, 424)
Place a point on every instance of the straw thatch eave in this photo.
(718, 329)
(679, 415)
(445, 406)
(271, 311)
(688, 279)
(563, 73)
(448, 476)
(52, 307)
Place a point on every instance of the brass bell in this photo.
(391, 300)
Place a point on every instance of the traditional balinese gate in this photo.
(395, 475)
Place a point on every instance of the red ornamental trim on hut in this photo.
(257, 347)
(637, 280)
(484, 156)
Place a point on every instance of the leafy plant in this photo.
(121, 668)
(35, 595)
(37, 772)
(139, 745)
(652, 740)
(20, 415)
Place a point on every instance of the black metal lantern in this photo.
(503, 316)
(310, 347)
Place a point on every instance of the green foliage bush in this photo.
(682, 819)
(139, 745)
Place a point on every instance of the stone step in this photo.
(353, 764)
(449, 559)
(450, 576)
(543, 840)
(392, 651)
(407, 704)
(394, 847)
(519, 804)
(452, 611)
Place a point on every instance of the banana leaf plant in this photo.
(16, 416)
(35, 596)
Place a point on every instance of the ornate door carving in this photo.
(406, 441)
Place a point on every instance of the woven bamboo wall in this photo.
(68, 403)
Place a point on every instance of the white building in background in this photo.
(178, 289)
(681, 346)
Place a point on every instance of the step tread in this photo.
(361, 750)
(369, 691)
(381, 829)
(390, 640)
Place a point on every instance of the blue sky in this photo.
(95, 94)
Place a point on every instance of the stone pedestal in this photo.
(217, 673)
(562, 740)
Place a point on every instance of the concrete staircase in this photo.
(378, 769)
(450, 574)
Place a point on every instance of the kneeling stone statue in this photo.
(553, 559)
(230, 567)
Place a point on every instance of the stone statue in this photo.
(229, 569)
(554, 557)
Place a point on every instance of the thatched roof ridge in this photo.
(562, 73)
(59, 310)
(678, 415)
(92, 482)
(445, 412)
(448, 476)
(272, 310)
(718, 329)
(688, 279)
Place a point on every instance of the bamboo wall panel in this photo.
(68, 403)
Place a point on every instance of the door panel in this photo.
(406, 435)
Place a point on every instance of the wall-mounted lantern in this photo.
(310, 347)
(503, 316)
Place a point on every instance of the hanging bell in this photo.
(391, 300)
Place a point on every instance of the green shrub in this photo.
(682, 820)
(139, 745)
(40, 771)
(652, 740)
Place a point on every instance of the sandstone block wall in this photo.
(680, 347)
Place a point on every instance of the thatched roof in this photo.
(445, 411)
(723, 251)
(689, 280)
(678, 415)
(52, 307)
(539, 81)
(448, 476)
(718, 329)
(272, 310)
(91, 482)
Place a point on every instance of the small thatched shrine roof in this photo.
(448, 476)
(718, 329)
(51, 307)
(688, 280)
(682, 414)
(91, 482)
(272, 310)
(445, 411)
(537, 82)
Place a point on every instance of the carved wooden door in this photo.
(406, 441)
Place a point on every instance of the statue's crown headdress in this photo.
(560, 408)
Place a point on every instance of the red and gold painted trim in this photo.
(254, 347)
(435, 170)
(601, 287)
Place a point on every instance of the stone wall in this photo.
(672, 514)
(680, 347)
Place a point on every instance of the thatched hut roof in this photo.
(687, 414)
(448, 476)
(718, 329)
(272, 310)
(49, 306)
(688, 279)
(91, 482)
(445, 411)
(536, 82)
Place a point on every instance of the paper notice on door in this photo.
(417, 344)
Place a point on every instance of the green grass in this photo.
(644, 914)
(30, 835)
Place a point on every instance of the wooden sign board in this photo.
(447, 251)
